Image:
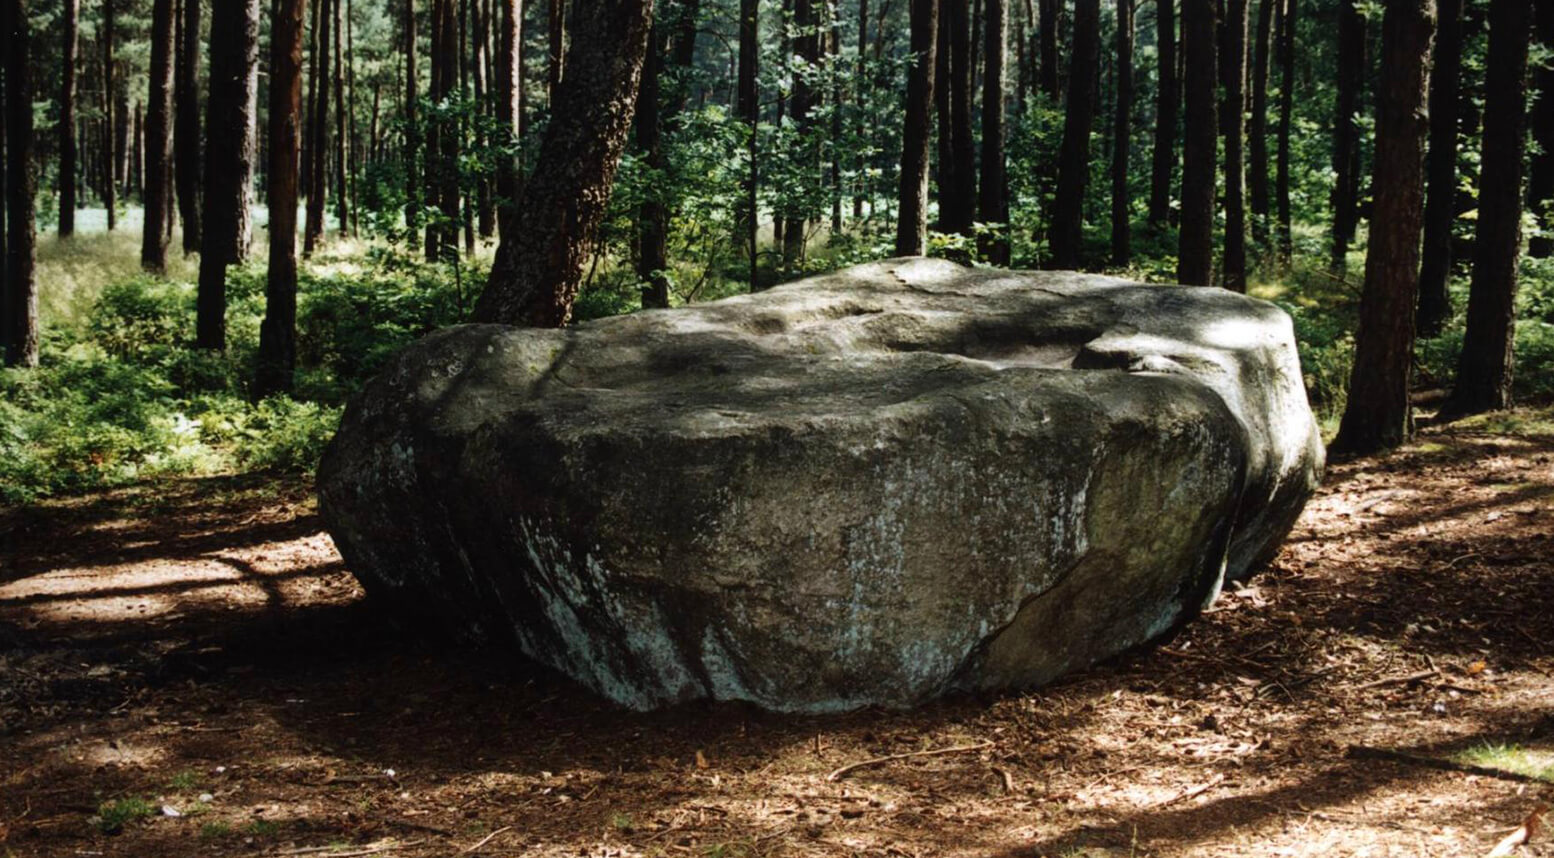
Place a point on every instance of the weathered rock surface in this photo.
(868, 487)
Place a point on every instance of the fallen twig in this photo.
(488, 838)
(371, 850)
(1399, 680)
(844, 771)
(1525, 833)
(1193, 793)
(1362, 752)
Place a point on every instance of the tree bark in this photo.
(19, 317)
(1122, 130)
(1257, 132)
(1540, 179)
(912, 211)
(1167, 100)
(158, 192)
(749, 107)
(229, 159)
(1049, 48)
(71, 14)
(536, 275)
(413, 129)
(1286, 119)
(807, 47)
(342, 171)
(1195, 253)
(111, 149)
(652, 215)
(1377, 416)
(556, 19)
(1233, 61)
(1068, 208)
(186, 119)
(277, 360)
(508, 113)
(318, 128)
(958, 182)
(1441, 190)
(1484, 372)
(993, 192)
(1346, 142)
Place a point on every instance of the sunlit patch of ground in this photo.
(197, 646)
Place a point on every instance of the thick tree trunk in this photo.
(1122, 130)
(413, 129)
(749, 108)
(912, 210)
(1195, 253)
(958, 166)
(1540, 179)
(1068, 207)
(1167, 99)
(109, 188)
(1286, 119)
(318, 128)
(19, 307)
(993, 192)
(186, 119)
(229, 160)
(158, 193)
(1377, 415)
(536, 275)
(508, 112)
(71, 14)
(1049, 48)
(1346, 142)
(1441, 190)
(1485, 369)
(277, 359)
(1257, 132)
(1233, 64)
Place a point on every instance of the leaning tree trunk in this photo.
(186, 119)
(229, 160)
(1377, 416)
(1485, 368)
(1286, 118)
(277, 360)
(1441, 191)
(1257, 132)
(1167, 98)
(912, 208)
(1195, 254)
(19, 319)
(158, 192)
(993, 191)
(1346, 133)
(1068, 207)
(1122, 129)
(536, 274)
(1540, 180)
(67, 118)
(1233, 63)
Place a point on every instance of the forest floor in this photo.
(187, 669)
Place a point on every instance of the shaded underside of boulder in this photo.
(869, 487)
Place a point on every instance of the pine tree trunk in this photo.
(1049, 49)
(749, 107)
(318, 124)
(536, 275)
(963, 197)
(993, 192)
(71, 13)
(277, 360)
(229, 159)
(652, 215)
(1540, 179)
(556, 19)
(1377, 415)
(109, 185)
(19, 308)
(1346, 143)
(1195, 254)
(1286, 119)
(443, 173)
(1167, 100)
(1122, 130)
(353, 150)
(342, 171)
(508, 112)
(912, 210)
(186, 119)
(1233, 63)
(1068, 207)
(485, 207)
(860, 84)
(1484, 372)
(1441, 190)
(158, 193)
(807, 49)
(413, 130)
(136, 185)
(1257, 132)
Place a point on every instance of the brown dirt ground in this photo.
(199, 645)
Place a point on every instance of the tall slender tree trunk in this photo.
(1122, 131)
(536, 275)
(912, 210)
(1068, 208)
(993, 192)
(958, 172)
(780, 103)
(19, 309)
(353, 150)
(1049, 48)
(1195, 253)
(1540, 179)
(1257, 132)
(485, 208)
(111, 149)
(1233, 58)
(342, 166)
(508, 113)
(318, 125)
(136, 186)
(1441, 188)
(443, 147)
(1377, 415)
(186, 119)
(413, 129)
(860, 85)
(556, 19)
(1484, 372)
(652, 215)
(1167, 99)
(749, 108)
(834, 95)
(1286, 120)
(158, 193)
(277, 360)
(1346, 142)
(229, 157)
(71, 15)
(807, 47)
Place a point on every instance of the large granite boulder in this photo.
(870, 487)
